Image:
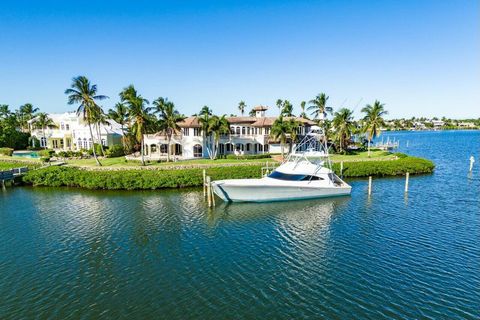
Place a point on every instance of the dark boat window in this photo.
(292, 177)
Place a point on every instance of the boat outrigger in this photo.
(306, 173)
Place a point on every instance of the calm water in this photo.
(73, 254)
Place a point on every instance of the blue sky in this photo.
(421, 58)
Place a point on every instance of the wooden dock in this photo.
(7, 177)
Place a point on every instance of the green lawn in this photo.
(121, 162)
(363, 156)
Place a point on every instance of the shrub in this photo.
(401, 166)
(158, 179)
(46, 153)
(45, 159)
(6, 151)
(115, 151)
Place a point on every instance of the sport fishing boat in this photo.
(306, 173)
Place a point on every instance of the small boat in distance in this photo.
(306, 173)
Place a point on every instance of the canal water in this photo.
(77, 254)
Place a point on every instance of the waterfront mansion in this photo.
(71, 133)
(248, 135)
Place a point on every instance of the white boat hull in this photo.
(228, 190)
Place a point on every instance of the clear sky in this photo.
(421, 58)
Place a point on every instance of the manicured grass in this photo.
(363, 156)
(12, 162)
(121, 162)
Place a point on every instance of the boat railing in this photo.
(269, 167)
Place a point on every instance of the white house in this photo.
(248, 135)
(71, 133)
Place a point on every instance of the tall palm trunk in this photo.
(93, 145)
(99, 136)
(142, 147)
(169, 139)
(123, 139)
(369, 148)
(44, 138)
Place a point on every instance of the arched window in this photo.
(197, 151)
(237, 130)
(85, 144)
(243, 130)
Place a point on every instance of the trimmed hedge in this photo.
(6, 151)
(401, 166)
(133, 179)
(248, 156)
(158, 179)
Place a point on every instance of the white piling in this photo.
(341, 169)
(209, 192)
(369, 185)
(407, 176)
(472, 161)
(204, 183)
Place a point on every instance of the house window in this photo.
(260, 147)
(248, 130)
(43, 142)
(67, 127)
(267, 130)
(186, 131)
(178, 149)
(265, 148)
(232, 130)
(196, 132)
(104, 142)
(221, 149)
(79, 143)
(89, 143)
(197, 151)
(163, 148)
(153, 148)
(243, 130)
(229, 147)
(248, 146)
(85, 145)
(237, 130)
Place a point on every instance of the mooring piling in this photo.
(407, 176)
(204, 183)
(209, 192)
(341, 169)
(369, 185)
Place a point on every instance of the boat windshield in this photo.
(292, 177)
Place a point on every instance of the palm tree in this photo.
(373, 120)
(293, 125)
(218, 126)
(319, 106)
(139, 115)
(205, 116)
(287, 109)
(4, 111)
(84, 93)
(43, 121)
(279, 104)
(279, 131)
(303, 114)
(169, 118)
(98, 119)
(252, 113)
(26, 113)
(344, 126)
(120, 115)
(241, 107)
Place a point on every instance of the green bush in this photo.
(115, 151)
(45, 159)
(401, 166)
(6, 151)
(134, 179)
(47, 153)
